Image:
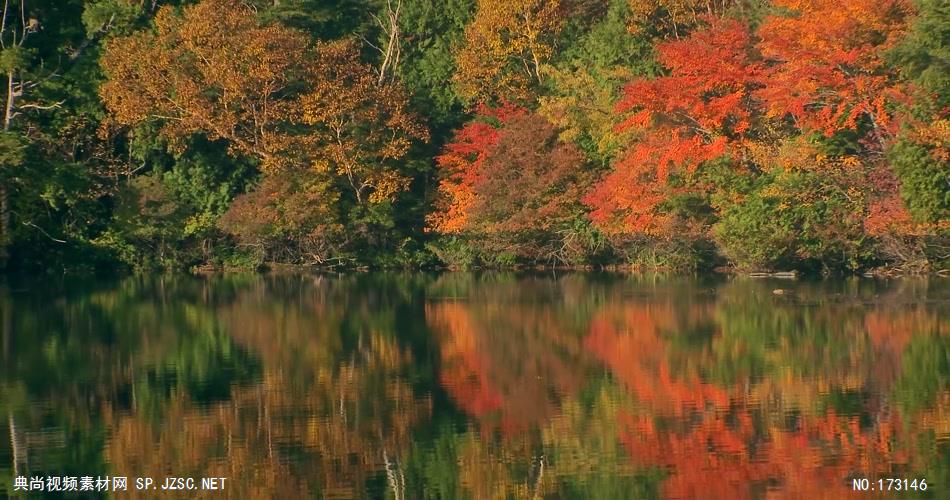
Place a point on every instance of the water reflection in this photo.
(479, 386)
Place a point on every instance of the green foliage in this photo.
(608, 44)
(925, 181)
(454, 252)
(585, 81)
(925, 371)
(924, 54)
(13, 59)
(12, 152)
(432, 30)
(116, 17)
(794, 219)
(148, 224)
(323, 20)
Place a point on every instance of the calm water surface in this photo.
(480, 385)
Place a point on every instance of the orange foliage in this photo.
(726, 442)
(463, 370)
(211, 69)
(628, 342)
(700, 112)
(505, 367)
(826, 63)
(462, 164)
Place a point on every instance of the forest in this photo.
(749, 135)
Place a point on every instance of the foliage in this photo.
(516, 186)
(434, 29)
(676, 18)
(699, 113)
(587, 82)
(360, 130)
(796, 217)
(684, 134)
(505, 46)
(285, 217)
(828, 70)
(212, 70)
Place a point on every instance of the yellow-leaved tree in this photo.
(359, 127)
(505, 48)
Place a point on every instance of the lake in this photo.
(484, 385)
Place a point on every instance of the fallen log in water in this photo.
(789, 275)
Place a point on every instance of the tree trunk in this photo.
(4, 194)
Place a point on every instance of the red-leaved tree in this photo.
(701, 111)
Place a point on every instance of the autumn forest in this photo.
(752, 135)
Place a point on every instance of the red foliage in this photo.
(725, 442)
(695, 114)
(462, 163)
(510, 179)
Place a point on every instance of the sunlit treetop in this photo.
(505, 48)
(826, 63)
(212, 69)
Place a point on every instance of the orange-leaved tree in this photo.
(700, 112)
(212, 70)
(328, 134)
(515, 185)
(461, 164)
(826, 66)
(828, 73)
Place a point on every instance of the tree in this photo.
(919, 156)
(433, 29)
(211, 70)
(311, 116)
(676, 18)
(361, 126)
(700, 112)
(826, 66)
(808, 212)
(15, 29)
(460, 162)
(515, 187)
(289, 216)
(505, 48)
(586, 82)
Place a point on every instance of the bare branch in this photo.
(30, 224)
(55, 105)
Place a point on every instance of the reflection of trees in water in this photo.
(281, 437)
(82, 356)
(796, 404)
(578, 386)
(508, 367)
(332, 414)
(283, 384)
(732, 394)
